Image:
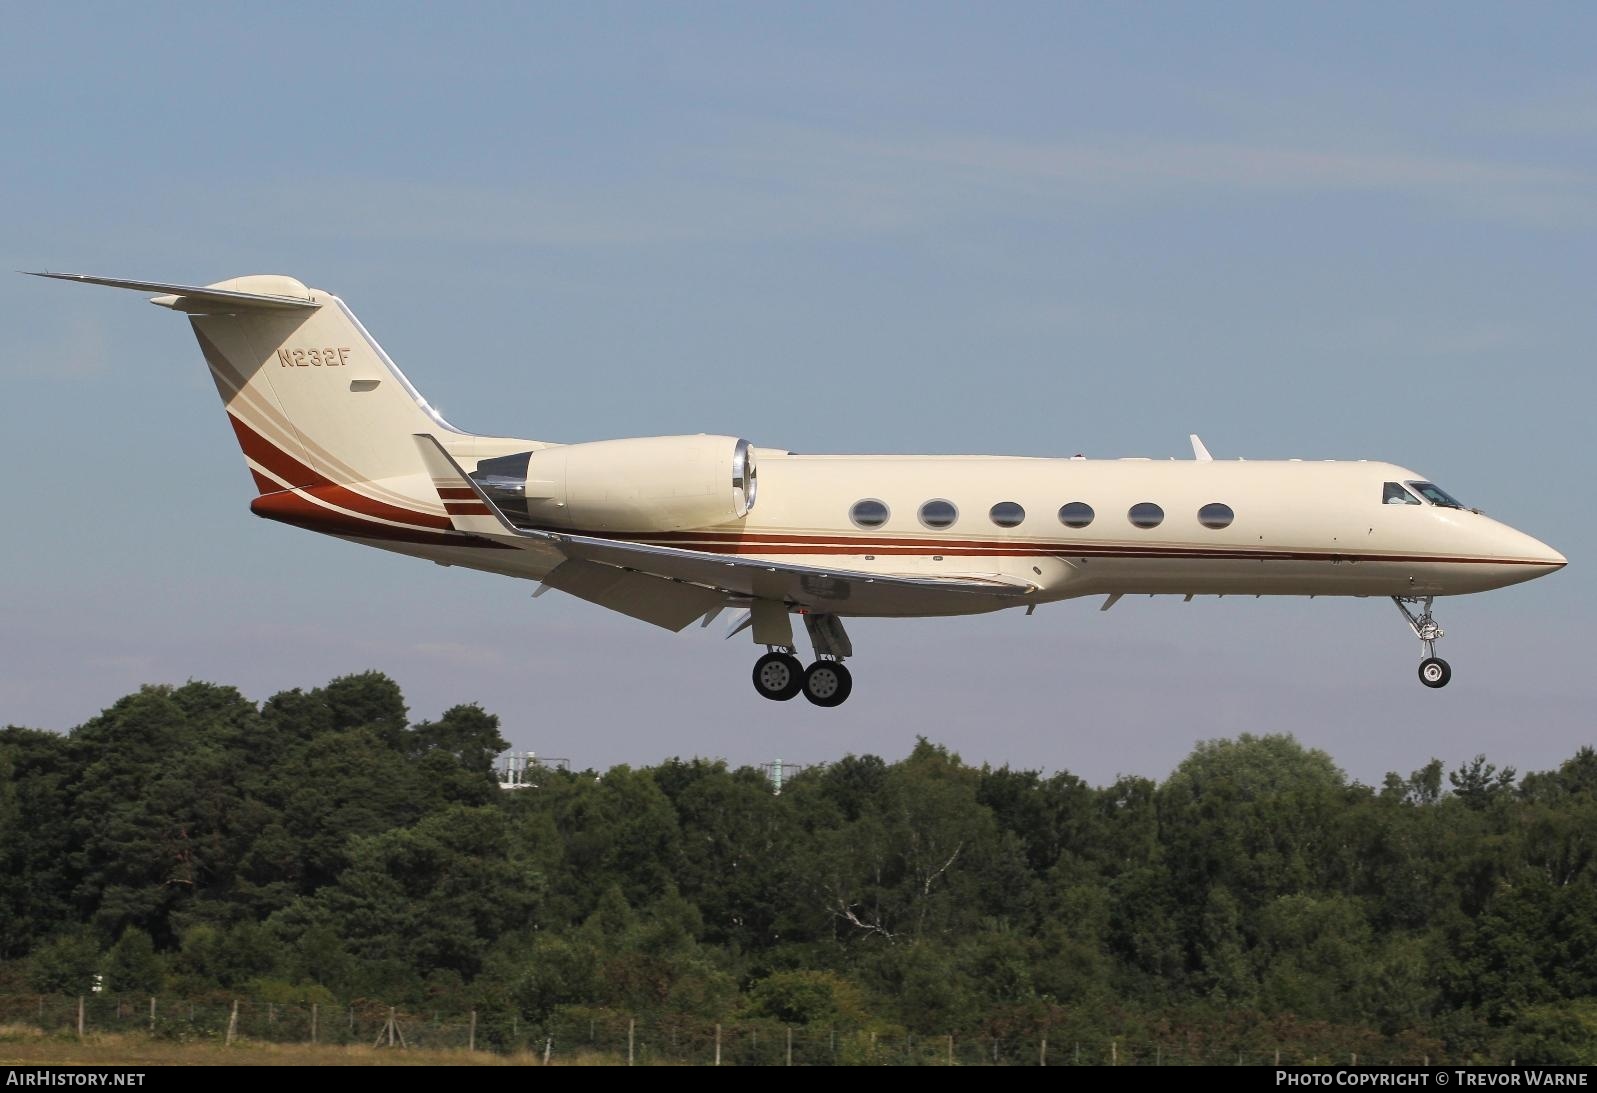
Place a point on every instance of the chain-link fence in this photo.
(659, 1039)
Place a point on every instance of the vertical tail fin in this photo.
(310, 395)
(326, 421)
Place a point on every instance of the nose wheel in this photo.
(1434, 671)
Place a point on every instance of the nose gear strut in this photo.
(1434, 671)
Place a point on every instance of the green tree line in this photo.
(321, 846)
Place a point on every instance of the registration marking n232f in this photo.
(327, 357)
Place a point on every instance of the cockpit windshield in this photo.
(1393, 493)
(1435, 495)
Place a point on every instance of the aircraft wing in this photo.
(670, 586)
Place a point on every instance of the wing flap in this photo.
(840, 591)
(664, 603)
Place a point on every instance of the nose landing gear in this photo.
(1434, 671)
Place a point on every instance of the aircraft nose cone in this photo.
(1536, 552)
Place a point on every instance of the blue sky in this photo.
(1317, 231)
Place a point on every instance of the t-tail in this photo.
(326, 421)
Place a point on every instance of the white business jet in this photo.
(674, 529)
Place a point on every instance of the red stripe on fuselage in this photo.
(288, 507)
(297, 474)
(831, 545)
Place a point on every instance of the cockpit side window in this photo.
(1393, 493)
(1435, 494)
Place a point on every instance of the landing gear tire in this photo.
(778, 676)
(1435, 672)
(827, 683)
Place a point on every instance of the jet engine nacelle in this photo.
(654, 483)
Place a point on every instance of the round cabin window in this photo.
(1077, 514)
(1145, 514)
(868, 514)
(1007, 514)
(938, 514)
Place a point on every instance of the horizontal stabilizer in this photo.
(202, 297)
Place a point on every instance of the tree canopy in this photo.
(320, 845)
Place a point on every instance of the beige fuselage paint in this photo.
(1300, 528)
(328, 426)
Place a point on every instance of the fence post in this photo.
(152, 1015)
(1353, 1059)
(718, 1045)
(80, 1016)
(391, 1025)
(352, 1020)
(471, 1038)
(632, 1028)
(1114, 1053)
(313, 1022)
(232, 1022)
(1277, 1056)
(1042, 1052)
(790, 1045)
(548, 1047)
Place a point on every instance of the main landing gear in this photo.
(779, 675)
(1434, 671)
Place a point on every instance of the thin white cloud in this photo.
(786, 182)
(1566, 113)
(955, 170)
